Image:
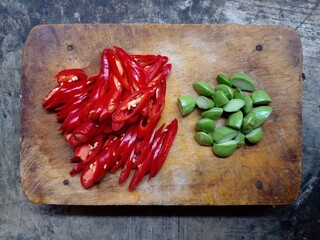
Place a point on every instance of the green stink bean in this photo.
(204, 102)
(242, 81)
(205, 125)
(222, 79)
(247, 104)
(213, 113)
(225, 89)
(224, 134)
(248, 122)
(203, 89)
(261, 114)
(260, 97)
(255, 135)
(238, 94)
(233, 105)
(220, 99)
(186, 104)
(203, 139)
(225, 149)
(235, 120)
(240, 138)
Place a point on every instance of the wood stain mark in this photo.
(259, 48)
(259, 185)
(70, 47)
(290, 156)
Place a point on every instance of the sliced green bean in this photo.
(255, 135)
(248, 122)
(238, 94)
(186, 104)
(222, 79)
(220, 99)
(248, 103)
(203, 88)
(204, 102)
(206, 125)
(225, 89)
(233, 105)
(242, 81)
(240, 138)
(223, 134)
(261, 114)
(203, 139)
(213, 113)
(225, 149)
(260, 97)
(235, 120)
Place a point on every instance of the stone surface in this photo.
(20, 219)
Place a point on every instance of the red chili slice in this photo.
(159, 160)
(117, 68)
(95, 170)
(131, 106)
(71, 75)
(145, 166)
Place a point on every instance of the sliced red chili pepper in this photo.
(88, 151)
(135, 159)
(155, 69)
(104, 161)
(143, 58)
(116, 126)
(111, 100)
(85, 131)
(81, 152)
(117, 68)
(72, 141)
(157, 101)
(122, 54)
(64, 92)
(70, 106)
(145, 166)
(146, 141)
(126, 169)
(144, 111)
(161, 76)
(77, 168)
(126, 150)
(71, 121)
(146, 124)
(86, 177)
(101, 87)
(90, 158)
(75, 159)
(130, 106)
(157, 162)
(95, 171)
(105, 69)
(124, 141)
(51, 96)
(71, 75)
(136, 75)
(121, 104)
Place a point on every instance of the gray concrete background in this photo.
(20, 219)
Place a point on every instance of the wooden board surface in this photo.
(192, 175)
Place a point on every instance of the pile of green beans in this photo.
(236, 99)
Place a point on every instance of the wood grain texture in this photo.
(192, 175)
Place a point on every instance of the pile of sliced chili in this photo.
(111, 118)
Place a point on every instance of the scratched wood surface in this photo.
(265, 174)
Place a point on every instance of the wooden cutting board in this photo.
(268, 173)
